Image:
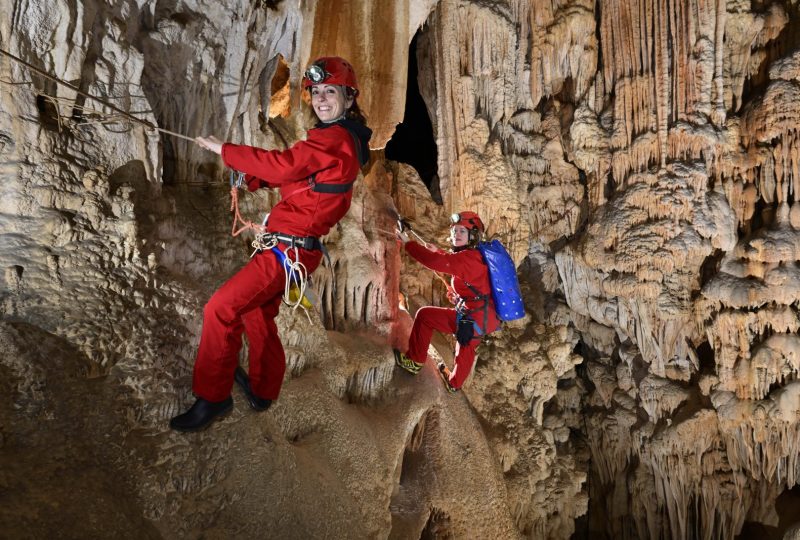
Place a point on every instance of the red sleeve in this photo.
(254, 182)
(440, 261)
(280, 167)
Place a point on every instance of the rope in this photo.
(296, 272)
(260, 242)
(296, 278)
(237, 217)
(75, 89)
(295, 289)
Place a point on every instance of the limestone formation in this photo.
(640, 160)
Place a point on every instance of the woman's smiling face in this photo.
(329, 101)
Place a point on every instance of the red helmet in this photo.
(470, 220)
(331, 70)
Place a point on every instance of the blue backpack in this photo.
(503, 279)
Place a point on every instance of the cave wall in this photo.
(639, 159)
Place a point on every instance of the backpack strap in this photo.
(328, 188)
(362, 159)
(484, 308)
(339, 188)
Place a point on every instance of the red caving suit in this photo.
(465, 266)
(249, 301)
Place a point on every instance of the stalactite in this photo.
(687, 462)
(563, 47)
(762, 437)
(720, 20)
(610, 442)
(660, 397)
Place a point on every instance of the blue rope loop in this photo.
(290, 273)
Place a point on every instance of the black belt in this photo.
(304, 242)
(329, 188)
(311, 243)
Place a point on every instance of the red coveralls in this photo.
(249, 301)
(465, 266)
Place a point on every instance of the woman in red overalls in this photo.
(474, 314)
(315, 178)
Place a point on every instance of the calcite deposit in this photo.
(640, 159)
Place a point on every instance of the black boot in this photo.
(257, 403)
(201, 414)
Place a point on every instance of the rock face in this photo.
(640, 159)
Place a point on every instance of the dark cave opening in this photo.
(787, 506)
(410, 505)
(48, 112)
(170, 158)
(762, 215)
(705, 355)
(413, 455)
(710, 267)
(610, 186)
(437, 527)
(413, 142)
(787, 41)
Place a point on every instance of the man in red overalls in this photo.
(470, 290)
(315, 179)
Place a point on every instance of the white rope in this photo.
(426, 244)
(296, 276)
(295, 272)
(263, 242)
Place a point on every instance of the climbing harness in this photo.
(505, 290)
(75, 89)
(466, 326)
(463, 313)
(296, 274)
(297, 292)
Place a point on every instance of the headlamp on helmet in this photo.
(316, 73)
(470, 221)
(331, 70)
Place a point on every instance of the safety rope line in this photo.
(78, 91)
(246, 225)
(296, 273)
